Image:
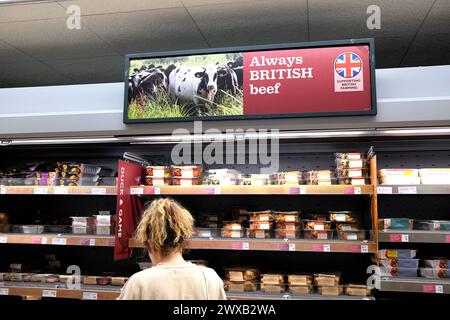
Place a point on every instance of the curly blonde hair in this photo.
(165, 226)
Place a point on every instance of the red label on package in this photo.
(395, 238)
(429, 288)
(349, 190)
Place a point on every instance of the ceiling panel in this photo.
(426, 51)
(191, 3)
(89, 7)
(249, 23)
(34, 73)
(23, 12)
(91, 70)
(154, 30)
(50, 39)
(10, 54)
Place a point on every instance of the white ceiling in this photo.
(36, 47)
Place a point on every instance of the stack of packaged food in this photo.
(287, 224)
(401, 176)
(261, 224)
(208, 225)
(157, 176)
(395, 224)
(223, 177)
(232, 229)
(98, 224)
(319, 177)
(300, 283)
(317, 226)
(436, 267)
(286, 178)
(254, 179)
(398, 263)
(272, 283)
(352, 168)
(347, 225)
(74, 174)
(175, 175)
(241, 279)
(328, 284)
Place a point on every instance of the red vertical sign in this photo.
(128, 207)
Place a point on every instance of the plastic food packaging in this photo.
(434, 175)
(286, 178)
(184, 182)
(273, 288)
(300, 279)
(206, 232)
(352, 235)
(361, 173)
(353, 181)
(395, 224)
(223, 181)
(398, 272)
(32, 229)
(157, 181)
(326, 279)
(298, 289)
(318, 234)
(350, 163)
(17, 277)
(82, 221)
(228, 233)
(286, 216)
(342, 216)
(83, 229)
(90, 280)
(259, 234)
(118, 281)
(270, 278)
(259, 179)
(240, 286)
(350, 155)
(397, 253)
(291, 226)
(347, 226)
(400, 263)
(434, 273)
(436, 263)
(242, 274)
(51, 278)
(104, 230)
(245, 180)
(316, 225)
(261, 225)
(432, 225)
(157, 171)
(104, 220)
(189, 172)
(358, 290)
(103, 281)
(399, 176)
(287, 234)
(330, 290)
(320, 182)
(261, 215)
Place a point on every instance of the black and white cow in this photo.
(238, 68)
(194, 85)
(147, 82)
(227, 79)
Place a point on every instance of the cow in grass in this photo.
(147, 82)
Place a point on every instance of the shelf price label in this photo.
(240, 246)
(405, 238)
(88, 242)
(364, 248)
(395, 238)
(217, 190)
(90, 295)
(407, 190)
(3, 239)
(40, 191)
(136, 191)
(98, 191)
(2, 190)
(44, 240)
(447, 238)
(287, 246)
(294, 190)
(36, 241)
(59, 241)
(157, 190)
(439, 288)
(326, 248)
(357, 190)
(384, 190)
(60, 190)
(49, 293)
(321, 247)
(4, 291)
(292, 247)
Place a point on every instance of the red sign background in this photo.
(306, 95)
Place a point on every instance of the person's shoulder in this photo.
(211, 273)
(143, 275)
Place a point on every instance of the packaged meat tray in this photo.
(347, 226)
(260, 234)
(316, 225)
(350, 163)
(270, 278)
(399, 176)
(157, 171)
(297, 289)
(287, 234)
(330, 290)
(103, 281)
(395, 224)
(118, 281)
(291, 226)
(436, 263)
(51, 278)
(222, 181)
(358, 290)
(184, 182)
(186, 171)
(397, 253)
(300, 279)
(158, 182)
(361, 173)
(27, 229)
(320, 182)
(398, 272)
(318, 174)
(90, 280)
(400, 263)
(434, 273)
(245, 180)
(286, 216)
(224, 172)
(258, 179)
(228, 233)
(353, 181)
(104, 230)
(206, 232)
(272, 288)
(261, 215)
(261, 225)
(350, 155)
(318, 234)
(286, 178)
(355, 235)
(232, 225)
(82, 221)
(318, 216)
(342, 216)
(431, 225)
(326, 279)
(247, 286)
(434, 175)
(104, 220)
(242, 274)
(83, 229)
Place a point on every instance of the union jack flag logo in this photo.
(348, 65)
